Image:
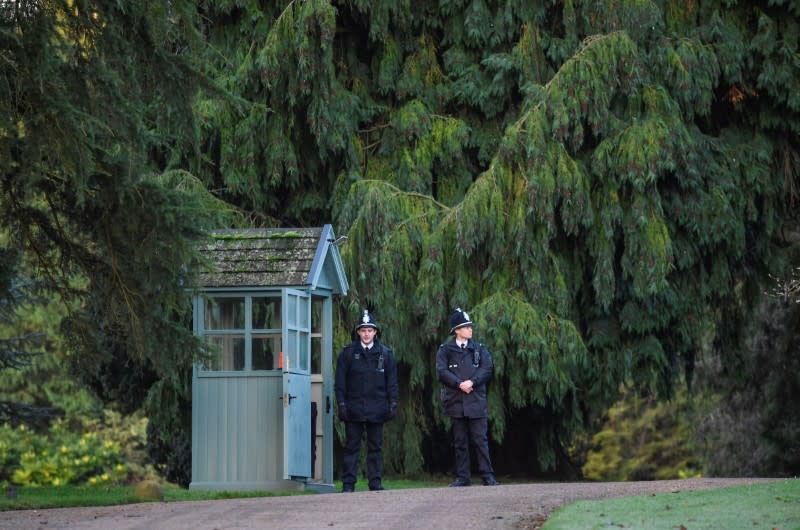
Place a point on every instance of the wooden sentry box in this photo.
(262, 404)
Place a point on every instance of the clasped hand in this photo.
(466, 386)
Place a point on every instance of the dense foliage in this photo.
(94, 98)
(599, 183)
(105, 451)
(643, 438)
(18, 347)
(37, 387)
(632, 185)
(750, 429)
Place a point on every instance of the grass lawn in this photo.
(40, 497)
(772, 505)
(70, 496)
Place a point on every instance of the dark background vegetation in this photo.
(609, 187)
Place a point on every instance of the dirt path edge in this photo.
(511, 506)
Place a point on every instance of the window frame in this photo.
(248, 332)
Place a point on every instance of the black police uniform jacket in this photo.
(453, 366)
(366, 388)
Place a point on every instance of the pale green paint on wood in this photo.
(237, 429)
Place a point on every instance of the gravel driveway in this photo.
(515, 506)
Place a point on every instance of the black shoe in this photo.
(348, 488)
(460, 483)
(489, 480)
(376, 486)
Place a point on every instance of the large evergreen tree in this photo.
(95, 97)
(595, 179)
(17, 349)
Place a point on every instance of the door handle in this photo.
(327, 404)
(287, 399)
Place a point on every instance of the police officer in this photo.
(464, 367)
(366, 393)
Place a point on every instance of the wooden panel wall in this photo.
(237, 430)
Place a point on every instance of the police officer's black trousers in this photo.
(354, 431)
(466, 430)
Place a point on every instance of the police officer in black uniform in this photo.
(366, 393)
(464, 367)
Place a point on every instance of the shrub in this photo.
(61, 457)
(14, 442)
(644, 439)
(102, 453)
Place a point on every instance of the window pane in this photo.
(224, 313)
(316, 355)
(303, 352)
(303, 313)
(290, 352)
(212, 360)
(316, 314)
(266, 350)
(291, 310)
(229, 354)
(267, 313)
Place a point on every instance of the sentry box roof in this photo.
(305, 258)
